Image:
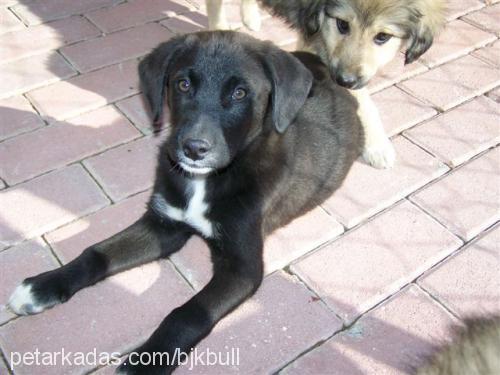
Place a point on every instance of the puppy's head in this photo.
(220, 88)
(357, 37)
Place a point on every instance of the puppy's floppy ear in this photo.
(299, 14)
(312, 17)
(425, 20)
(291, 82)
(421, 38)
(153, 74)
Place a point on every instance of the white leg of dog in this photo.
(216, 15)
(378, 150)
(250, 14)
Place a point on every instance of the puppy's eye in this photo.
(343, 26)
(184, 85)
(382, 38)
(239, 94)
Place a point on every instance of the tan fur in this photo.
(356, 52)
(475, 350)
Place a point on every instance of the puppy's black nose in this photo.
(196, 149)
(347, 80)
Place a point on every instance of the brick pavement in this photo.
(365, 284)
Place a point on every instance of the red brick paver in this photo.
(451, 84)
(32, 154)
(393, 339)
(127, 169)
(486, 18)
(457, 8)
(400, 111)
(367, 191)
(490, 53)
(9, 22)
(40, 11)
(32, 72)
(88, 91)
(367, 283)
(461, 133)
(38, 39)
(468, 200)
(468, 283)
(44, 203)
(458, 39)
(115, 47)
(136, 13)
(367, 265)
(17, 116)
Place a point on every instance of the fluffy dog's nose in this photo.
(196, 149)
(347, 80)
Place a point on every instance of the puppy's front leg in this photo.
(216, 15)
(250, 14)
(378, 150)
(237, 275)
(142, 242)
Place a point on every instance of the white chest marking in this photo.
(194, 213)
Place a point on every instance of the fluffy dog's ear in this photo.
(153, 75)
(420, 41)
(426, 19)
(291, 82)
(312, 17)
(299, 14)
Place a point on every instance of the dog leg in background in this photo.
(250, 14)
(378, 150)
(238, 271)
(142, 242)
(216, 15)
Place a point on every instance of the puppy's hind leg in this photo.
(378, 150)
(142, 242)
(216, 15)
(250, 14)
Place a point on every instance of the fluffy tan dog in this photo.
(355, 38)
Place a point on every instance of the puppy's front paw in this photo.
(380, 154)
(37, 294)
(24, 302)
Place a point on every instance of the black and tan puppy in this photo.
(259, 137)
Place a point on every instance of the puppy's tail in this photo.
(475, 349)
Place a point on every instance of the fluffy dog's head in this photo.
(221, 86)
(357, 37)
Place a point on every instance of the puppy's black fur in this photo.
(277, 138)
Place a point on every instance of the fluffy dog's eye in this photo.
(239, 94)
(343, 26)
(184, 85)
(382, 38)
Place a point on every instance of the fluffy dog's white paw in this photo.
(380, 154)
(24, 302)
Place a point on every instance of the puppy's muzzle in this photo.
(348, 80)
(196, 149)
